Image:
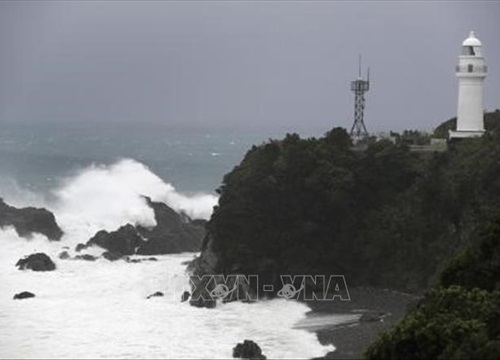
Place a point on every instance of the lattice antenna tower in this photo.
(359, 87)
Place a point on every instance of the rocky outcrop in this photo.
(248, 350)
(30, 220)
(185, 296)
(124, 241)
(156, 294)
(24, 295)
(173, 233)
(205, 264)
(36, 262)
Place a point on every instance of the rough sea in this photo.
(92, 178)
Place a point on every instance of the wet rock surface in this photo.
(30, 220)
(36, 262)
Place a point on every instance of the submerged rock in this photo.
(24, 295)
(248, 350)
(134, 261)
(85, 257)
(64, 255)
(30, 220)
(36, 262)
(156, 294)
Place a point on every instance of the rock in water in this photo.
(156, 294)
(64, 255)
(24, 295)
(123, 241)
(206, 264)
(248, 350)
(185, 296)
(111, 256)
(173, 233)
(85, 257)
(80, 247)
(36, 262)
(30, 220)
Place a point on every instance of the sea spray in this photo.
(105, 197)
(99, 309)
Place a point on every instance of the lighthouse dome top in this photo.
(472, 40)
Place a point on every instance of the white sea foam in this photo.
(99, 309)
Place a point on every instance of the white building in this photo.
(471, 72)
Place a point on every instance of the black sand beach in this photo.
(375, 310)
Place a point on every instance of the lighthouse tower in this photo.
(471, 72)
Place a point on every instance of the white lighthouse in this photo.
(471, 72)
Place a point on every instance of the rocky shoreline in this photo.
(376, 310)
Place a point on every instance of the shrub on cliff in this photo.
(460, 319)
(385, 216)
(451, 323)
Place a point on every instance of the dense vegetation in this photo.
(460, 319)
(384, 216)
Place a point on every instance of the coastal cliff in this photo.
(384, 217)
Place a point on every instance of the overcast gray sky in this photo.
(239, 64)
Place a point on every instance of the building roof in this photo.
(472, 40)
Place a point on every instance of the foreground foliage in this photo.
(460, 319)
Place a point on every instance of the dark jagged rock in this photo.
(123, 241)
(30, 220)
(64, 255)
(24, 295)
(205, 264)
(80, 247)
(173, 233)
(111, 256)
(134, 261)
(156, 294)
(248, 350)
(185, 296)
(36, 262)
(85, 257)
(152, 259)
(201, 289)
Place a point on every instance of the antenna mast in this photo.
(359, 87)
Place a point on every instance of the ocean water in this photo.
(94, 180)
